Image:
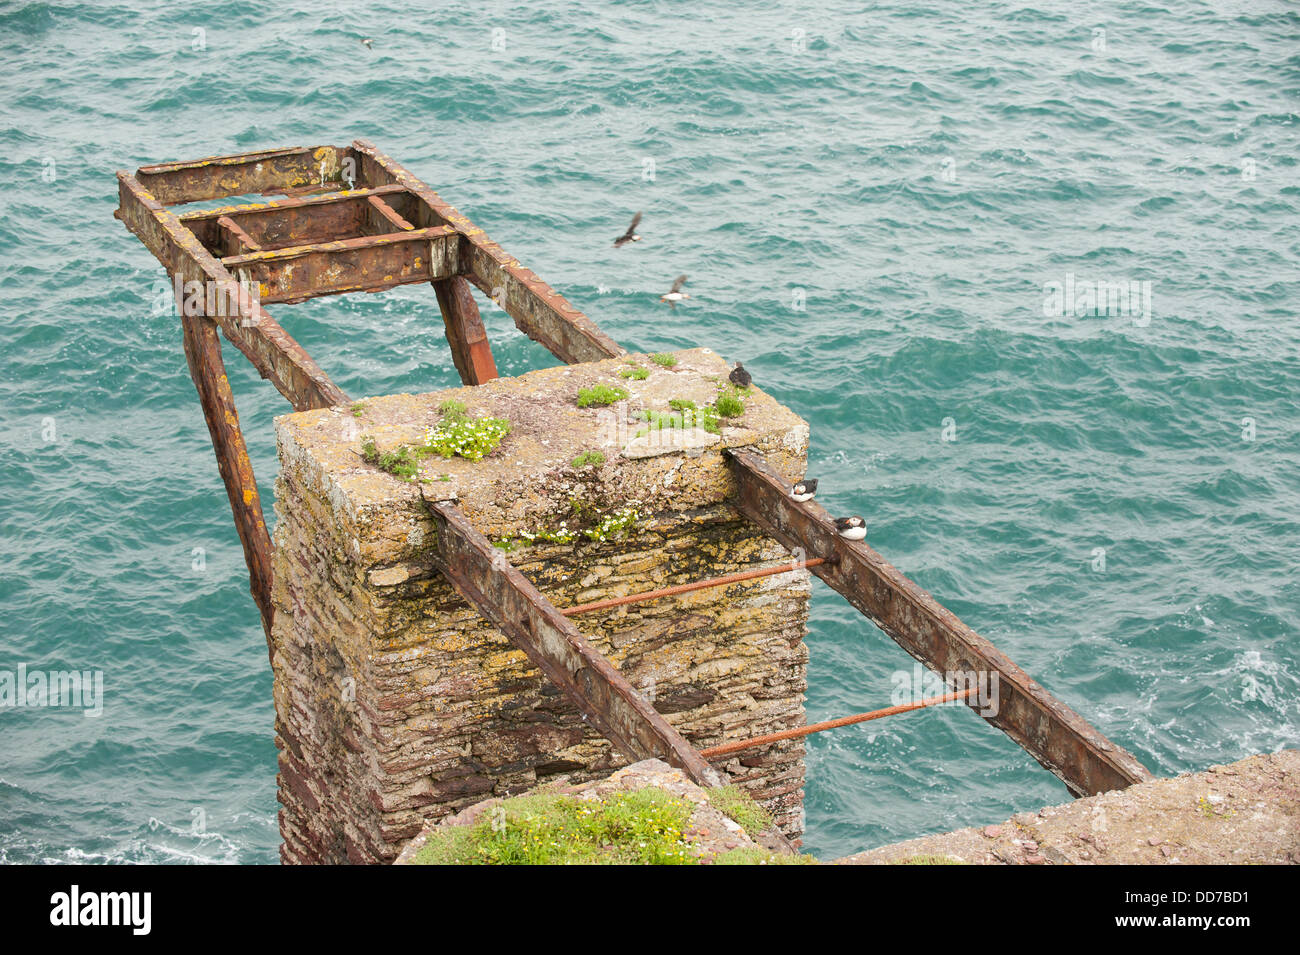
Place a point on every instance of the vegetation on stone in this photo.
(756, 855)
(601, 528)
(684, 415)
(738, 806)
(664, 359)
(472, 438)
(456, 435)
(646, 827)
(729, 405)
(600, 395)
(637, 374)
(589, 459)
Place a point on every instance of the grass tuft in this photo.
(600, 395)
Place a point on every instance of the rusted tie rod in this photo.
(687, 588)
(727, 748)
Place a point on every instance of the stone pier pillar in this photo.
(396, 704)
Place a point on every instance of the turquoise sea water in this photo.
(913, 173)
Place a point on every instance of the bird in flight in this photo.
(630, 235)
(741, 379)
(368, 43)
(676, 294)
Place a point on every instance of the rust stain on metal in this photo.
(1060, 739)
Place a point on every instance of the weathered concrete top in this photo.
(530, 479)
(1245, 813)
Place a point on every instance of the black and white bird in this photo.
(630, 235)
(851, 528)
(739, 377)
(368, 43)
(675, 294)
(804, 490)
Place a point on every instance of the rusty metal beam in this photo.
(271, 349)
(538, 310)
(242, 241)
(207, 368)
(470, 350)
(481, 574)
(266, 171)
(362, 264)
(385, 210)
(1060, 739)
(272, 206)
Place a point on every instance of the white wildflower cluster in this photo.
(471, 438)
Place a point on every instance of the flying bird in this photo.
(804, 490)
(630, 235)
(676, 294)
(740, 378)
(368, 43)
(851, 528)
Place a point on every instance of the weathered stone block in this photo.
(397, 704)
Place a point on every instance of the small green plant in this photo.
(402, 461)
(600, 395)
(664, 359)
(729, 405)
(589, 459)
(1208, 810)
(456, 434)
(601, 529)
(738, 806)
(636, 374)
(683, 415)
(453, 410)
(358, 409)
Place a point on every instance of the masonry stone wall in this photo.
(396, 704)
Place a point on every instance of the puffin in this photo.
(741, 378)
(851, 528)
(630, 235)
(804, 490)
(676, 294)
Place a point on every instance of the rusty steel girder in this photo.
(1059, 738)
(505, 597)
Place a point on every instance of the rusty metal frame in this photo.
(339, 219)
(1059, 738)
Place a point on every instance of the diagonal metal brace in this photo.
(505, 597)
